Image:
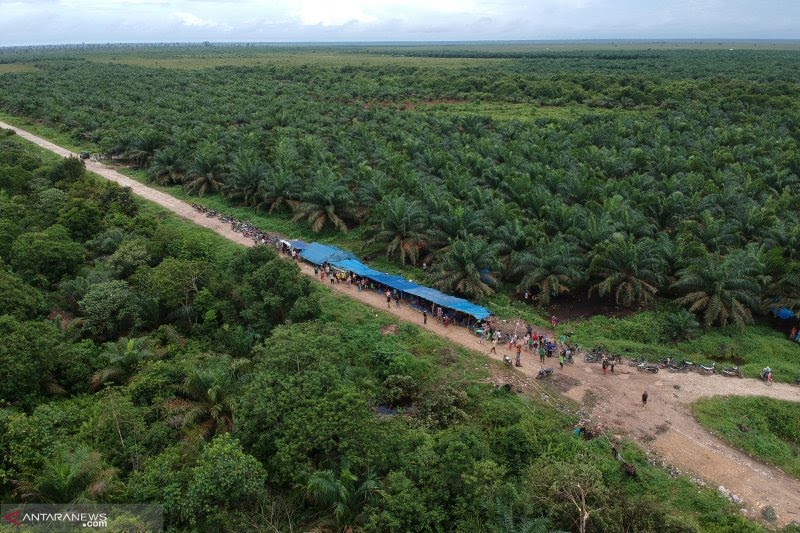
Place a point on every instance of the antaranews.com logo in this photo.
(83, 517)
(17, 517)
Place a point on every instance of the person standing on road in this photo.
(542, 353)
(561, 360)
(644, 399)
(388, 298)
(424, 317)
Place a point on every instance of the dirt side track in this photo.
(665, 427)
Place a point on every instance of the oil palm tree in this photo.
(343, 495)
(76, 475)
(280, 189)
(123, 357)
(453, 223)
(167, 166)
(328, 203)
(467, 268)
(207, 402)
(554, 268)
(723, 289)
(631, 269)
(205, 172)
(401, 227)
(244, 177)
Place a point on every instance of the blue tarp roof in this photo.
(297, 244)
(319, 253)
(395, 282)
(426, 293)
(784, 313)
(450, 302)
(356, 267)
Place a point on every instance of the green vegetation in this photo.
(766, 428)
(168, 365)
(651, 334)
(656, 174)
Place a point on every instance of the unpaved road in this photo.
(665, 426)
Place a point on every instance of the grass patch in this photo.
(640, 335)
(283, 58)
(765, 428)
(53, 135)
(14, 68)
(520, 111)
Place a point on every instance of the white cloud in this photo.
(64, 21)
(188, 19)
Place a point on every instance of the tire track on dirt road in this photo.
(666, 426)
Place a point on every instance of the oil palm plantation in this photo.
(631, 269)
(724, 289)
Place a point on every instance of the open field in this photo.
(765, 428)
(14, 68)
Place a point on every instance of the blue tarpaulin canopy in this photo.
(395, 282)
(319, 253)
(450, 302)
(297, 244)
(784, 313)
(356, 267)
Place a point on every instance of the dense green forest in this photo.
(146, 360)
(631, 174)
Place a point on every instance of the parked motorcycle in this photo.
(648, 367)
(732, 371)
(707, 369)
(545, 373)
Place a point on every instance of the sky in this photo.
(25, 22)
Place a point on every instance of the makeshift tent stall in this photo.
(297, 244)
(450, 302)
(317, 254)
(339, 259)
(356, 267)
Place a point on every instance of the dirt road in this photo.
(665, 427)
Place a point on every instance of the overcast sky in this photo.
(100, 21)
